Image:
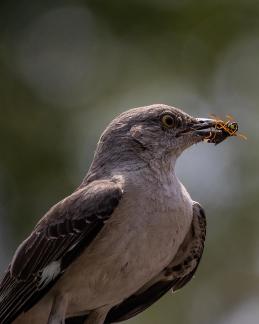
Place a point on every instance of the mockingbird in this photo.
(126, 236)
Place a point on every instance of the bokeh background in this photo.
(68, 67)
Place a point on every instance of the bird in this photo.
(128, 234)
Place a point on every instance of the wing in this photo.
(61, 235)
(175, 276)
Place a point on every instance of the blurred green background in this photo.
(68, 67)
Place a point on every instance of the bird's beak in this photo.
(202, 127)
(207, 130)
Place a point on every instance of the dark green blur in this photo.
(68, 67)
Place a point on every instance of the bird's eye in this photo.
(168, 121)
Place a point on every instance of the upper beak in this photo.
(203, 123)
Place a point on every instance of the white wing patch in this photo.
(49, 273)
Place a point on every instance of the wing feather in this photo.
(60, 236)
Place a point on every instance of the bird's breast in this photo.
(164, 214)
(140, 240)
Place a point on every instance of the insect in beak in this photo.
(228, 128)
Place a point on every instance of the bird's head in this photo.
(158, 129)
(166, 130)
(152, 132)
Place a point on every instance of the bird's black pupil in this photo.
(169, 121)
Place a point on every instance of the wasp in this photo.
(227, 127)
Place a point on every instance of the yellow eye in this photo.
(168, 121)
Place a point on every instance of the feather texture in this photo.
(65, 231)
(175, 276)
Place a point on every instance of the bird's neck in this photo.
(106, 165)
(159, 169)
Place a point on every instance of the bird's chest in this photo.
(159, 218)
(136, 244)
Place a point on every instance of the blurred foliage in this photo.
(68, 67)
